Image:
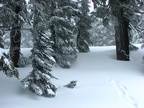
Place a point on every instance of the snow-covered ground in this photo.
(102, 82)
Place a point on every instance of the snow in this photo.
(1, 5)
(102, 82)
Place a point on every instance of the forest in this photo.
(57, 30)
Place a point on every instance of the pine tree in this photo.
(83, 25)
(101, 35)
(12, 18)
(123, 11)
(6, 17)
(38, 80)
(6, 65)
(62, 28)
(122, 37)
(15, 35)
(1, 30)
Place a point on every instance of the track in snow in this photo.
(124, 91)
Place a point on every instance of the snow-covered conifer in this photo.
(6, 65)
(84, 24)
(23, 61)
(101, 35)
(38, 80)
(62, 28)
(12, 17)
(1, 30)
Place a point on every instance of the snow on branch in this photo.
(7, 66)
(56, 20)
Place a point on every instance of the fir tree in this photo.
(6, 65)
(83, 25)
(121, 30)
(101, 35)
(12, 18)
(62, 28)
(1, 30)
(15, 35)
(124, 12)
(6, 19)
(38, 80)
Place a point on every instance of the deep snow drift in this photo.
(102, 82)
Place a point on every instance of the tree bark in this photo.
(121, 29)
(1, 38)
(15, 39)
(1, 33)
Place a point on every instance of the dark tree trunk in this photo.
(122, 39)
(82, 46)
(15, 39)
(78, 41)
(53, 36)
(1, 33)
(121, 29)
(1, 38)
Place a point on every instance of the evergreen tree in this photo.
(15, 35)
(62, 28)
(1, 30)
(12, 18)
(38, 80)
(6, 65)
(121, 29)
(83, 25)
(123, 11)
(101, 35)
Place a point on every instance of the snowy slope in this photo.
(102, 82)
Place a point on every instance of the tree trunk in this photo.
(79, 42)
(1, 38)
(1, 33)
(121, 29)
(15, 39)
(122, 40)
